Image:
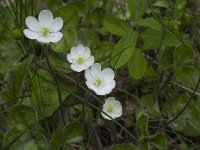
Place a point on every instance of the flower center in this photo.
(80, 60)
(110, 109)
(98, 82)
(45, 31)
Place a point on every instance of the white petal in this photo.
(117, 114)
(108, 73)
(96, 69)
(118, 107)
(55, 37)
(43, 39)
(32, 23)
(87, 52)
(76, 68)
(117, 104)
(57, 24)
(109, 100)
(100, 91)
(70, 58)
(108, 87)
(89, 62)
(80, 49)
(118, 110)
(88, 75)
(91, 86)
(74, 51)
(31, 34)
(112, 84)
(45, 18)
(88, 83)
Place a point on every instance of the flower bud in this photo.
(174, 24)
(16, 33)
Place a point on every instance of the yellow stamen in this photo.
(110, 109)
(80, 60)
(98, 82)
(45, 31)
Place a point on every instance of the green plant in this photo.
(151, 45)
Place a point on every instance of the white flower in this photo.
(101, 82)
(112, 107)
(45, 29)
(80, 57)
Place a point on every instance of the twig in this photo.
(98, 139)
(167, 80)
(185, 88)
(128, 93)
(113, 132)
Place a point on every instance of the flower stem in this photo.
(57, 86)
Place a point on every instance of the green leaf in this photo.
(124, 50)
(149, 22)
(188, 123)
(158, 140)
(150, 72)
(77, 112)
(142, 127)
(124, 147)
(21, 117)
(44, 93)
(155, 38)
(97, 16)
(87, 37)
(103, 51)
(59, 61)
(69, 15)
(65, 44)
(10, 54)
(184, 146)
(24, 140)
(73, 132)
(80, 6)
(92, 3)
(176, 58)
(150, 107)
(16, 82)
(167, 58)
(136, 8)
(57, 140)
(188, 77)
(137, 64)
(161, 3)
(142, 124)
(117, 26)
(182, 55)
(53, 5)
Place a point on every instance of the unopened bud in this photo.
(16, 33)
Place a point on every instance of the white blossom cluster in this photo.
(45, 30)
